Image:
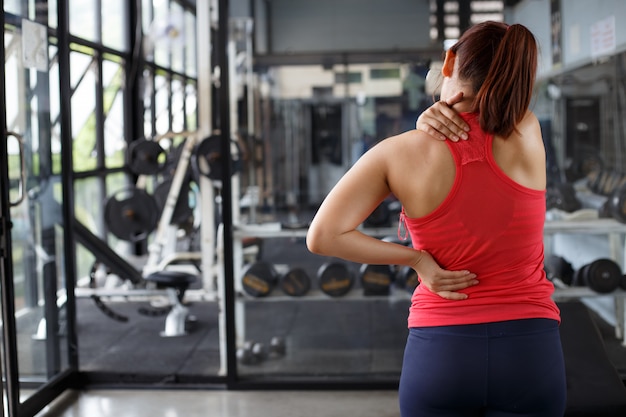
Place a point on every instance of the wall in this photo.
(577, 19)
(307, 26)
(347, 25)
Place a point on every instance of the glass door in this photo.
(36, 334)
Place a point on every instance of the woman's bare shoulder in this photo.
(412, 140)
(522, 155)
(529, 123)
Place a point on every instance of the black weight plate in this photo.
(259, 279)
(207, 158)
(182, 210)
(335, 279)
(145, 157)
(603, 275)
(295, 282)
(131, 214)
(376, 279)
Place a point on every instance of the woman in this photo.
(485, 342)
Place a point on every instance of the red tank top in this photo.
(489, 225)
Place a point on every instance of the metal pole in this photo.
(227, 207)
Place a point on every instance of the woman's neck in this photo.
(454, 86)
(465, 105)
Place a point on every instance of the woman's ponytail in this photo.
(501, 63)
(505, 95)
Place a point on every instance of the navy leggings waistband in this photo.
(494, 329)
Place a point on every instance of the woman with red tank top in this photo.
(483, 328)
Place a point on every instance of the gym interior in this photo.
(163, 159)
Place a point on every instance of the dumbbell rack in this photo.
(274, 230)
(616, 234)
(614, 230)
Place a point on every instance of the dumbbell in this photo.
(259, 279)
(376, 279)
(335, 278)
(602, 275)
(251, 353)
(295, 282)
(277, 348)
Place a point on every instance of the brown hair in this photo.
(501, 63)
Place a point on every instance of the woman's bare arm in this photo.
(335, 229)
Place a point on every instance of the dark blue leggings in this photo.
(512, 368)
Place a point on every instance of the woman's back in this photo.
(477, 217)
(421, 171)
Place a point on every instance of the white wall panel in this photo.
(578, 17)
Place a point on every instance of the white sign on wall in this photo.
(34, 45)
(603, 37)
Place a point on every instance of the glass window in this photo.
(176, 36)
(162, 30)
(148, 103)
(146, 15)
(55, 96)
(384, 73)
(113, 106)
(190, 44)
(12, 79)
(32, 10)
(85, 19)
(13, 7)
(52, 14)
(89, 202)
(350, 77)
(191, 105)
(162, 104)
(178, 105)
(79, 64)
(84, 120)
(114, 24)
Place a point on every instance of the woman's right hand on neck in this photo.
(442, 122)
